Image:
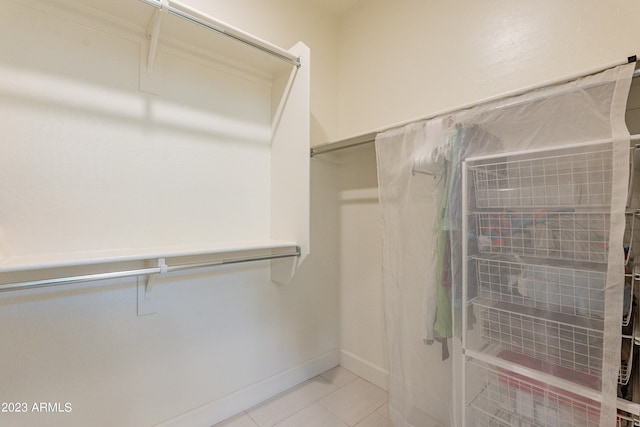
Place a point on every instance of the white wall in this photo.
(410, 58)
(285, 22)
(221, 339)
(405, 59)
(362, 340)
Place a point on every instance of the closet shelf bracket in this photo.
(153, 34)
(198, 18)
(163, 268)
(150, 72)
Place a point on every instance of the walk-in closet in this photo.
(321, 213)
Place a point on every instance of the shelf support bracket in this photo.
(146, 297)
(153, 34)
(149, 79)
(163, 268)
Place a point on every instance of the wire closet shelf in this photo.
(547, 207)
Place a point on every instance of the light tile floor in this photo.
(336, 398)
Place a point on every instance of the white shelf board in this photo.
(134, 16)
(76, 259)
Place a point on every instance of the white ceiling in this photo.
(336, 6)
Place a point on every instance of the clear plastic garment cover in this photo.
(503, 235)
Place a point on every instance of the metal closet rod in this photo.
(316, 151)
(140, 272)
(371, 137)
(209, 23)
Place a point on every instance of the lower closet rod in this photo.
(140, 272)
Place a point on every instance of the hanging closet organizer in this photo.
(527, 249)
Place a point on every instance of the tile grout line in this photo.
(357, 377)
(344, 385)
(382, 406)
(282, 394)
(251, 418)
(312, 403)
(317, 401)
(367, 415)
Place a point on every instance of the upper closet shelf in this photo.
(174, 24)
(370, 137)
(191, 15)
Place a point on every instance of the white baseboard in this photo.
(234, 403)
(370, 372)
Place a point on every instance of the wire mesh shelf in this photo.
(503, 398)
(626, 360)
(626, 420)
(577, 179)
(561, 290)
(629, 235)
(576, 348)
(628, 301)
(485, 420)
(548, 319)
(565, 235)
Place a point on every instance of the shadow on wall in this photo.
(358, 169)
(45, 93)
(95, 75)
